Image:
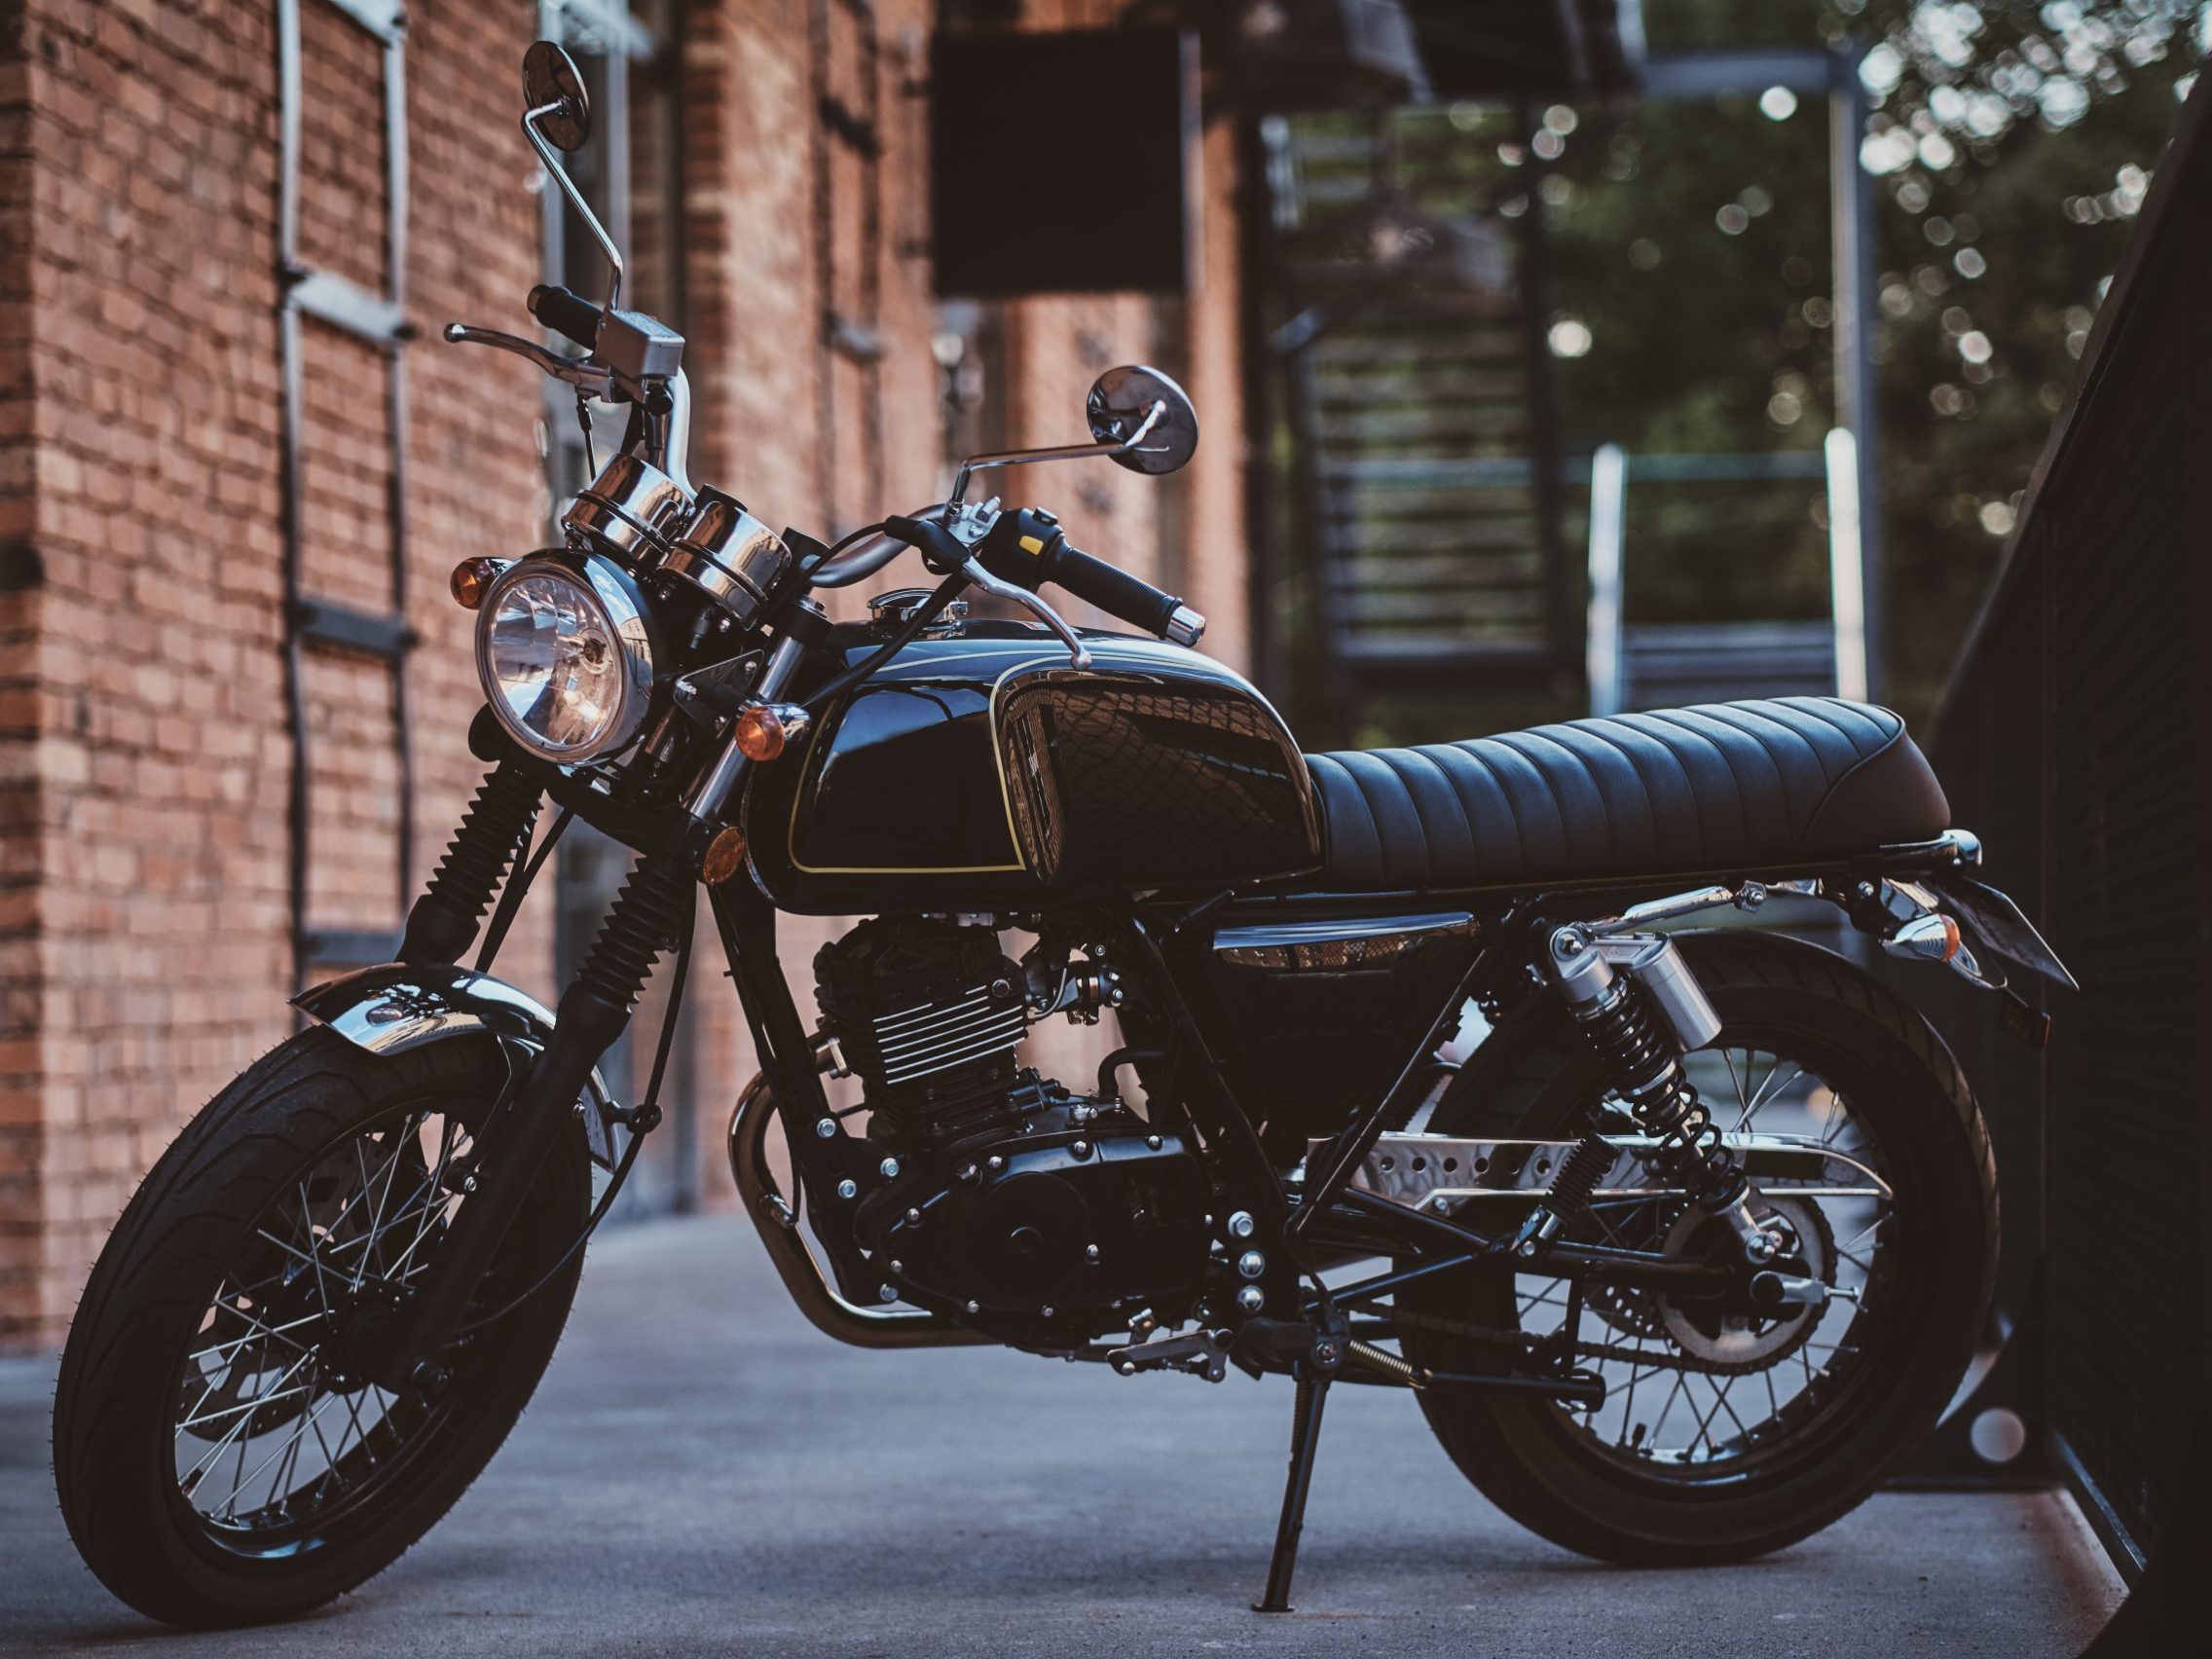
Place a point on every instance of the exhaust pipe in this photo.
(802, 1276)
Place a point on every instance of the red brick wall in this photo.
(21, 1114)
(144, 755)
(145, 947)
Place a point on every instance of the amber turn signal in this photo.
(725, 856)
(472, 578)
(765, 729)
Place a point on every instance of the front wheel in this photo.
(1724, 1438)
(221, 1453)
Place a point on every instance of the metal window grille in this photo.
(314, 624)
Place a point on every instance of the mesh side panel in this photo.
(2075, 738)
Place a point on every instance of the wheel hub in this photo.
(360, 1331)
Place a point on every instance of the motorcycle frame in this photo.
(1299, 1230)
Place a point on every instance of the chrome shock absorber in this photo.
(1636, 1002)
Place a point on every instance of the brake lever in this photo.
(579, 372)
(980, 577)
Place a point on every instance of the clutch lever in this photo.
(976, 575)
(579, 372)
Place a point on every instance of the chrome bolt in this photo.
(996, 1163)
(1251, 1298)
(1325, 1352)
(968, 1172)
(1153, 1141)
(1440, 1203)
(885, 1293)
(826, 1127)
(898, 1268)
(890, 1167)
(583, 1112)
(1251, 1264)
(1240, 1225)
(848, 1189)
(1082, 1149)
(913, 1218)
(1048, 1312)
(1091, 1254)
(973, 1307)
(468, 1184)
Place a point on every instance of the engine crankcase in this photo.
(1030, 1223)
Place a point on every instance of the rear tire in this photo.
(128, 1398)
(1548, 1470)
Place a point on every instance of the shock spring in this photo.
(1648, 1074)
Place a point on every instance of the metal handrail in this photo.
(1836, 462)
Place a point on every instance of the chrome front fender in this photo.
(394, 1008)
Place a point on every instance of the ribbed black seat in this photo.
(1710, 787)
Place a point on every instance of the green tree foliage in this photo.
(1691, 310)
(2012, 145)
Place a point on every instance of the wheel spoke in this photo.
(260, 1333)
(1770, 1089)
(1729, 1055)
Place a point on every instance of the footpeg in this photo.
(1200, 1353)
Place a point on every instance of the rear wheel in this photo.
(1724, 1437)
(221, 1454)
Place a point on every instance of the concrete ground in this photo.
(703, 1473)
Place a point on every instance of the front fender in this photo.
(394, 1008)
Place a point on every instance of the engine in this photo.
(1011, 1194)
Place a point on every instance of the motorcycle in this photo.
(1679, 1264)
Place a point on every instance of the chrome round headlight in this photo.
(564, 652)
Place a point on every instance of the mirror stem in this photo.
(1066, 452)
(576, 198)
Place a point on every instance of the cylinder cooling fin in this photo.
(928, 1014)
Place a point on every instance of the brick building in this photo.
(148, 749)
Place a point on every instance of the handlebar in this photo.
(569, 314)
(1023, 550)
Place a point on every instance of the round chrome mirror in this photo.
(1123, 400)
(553, 96)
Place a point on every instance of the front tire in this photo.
(1612, 1489)
(232, 1319)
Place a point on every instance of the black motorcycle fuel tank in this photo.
(984, 771)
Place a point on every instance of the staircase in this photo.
(1420, 398)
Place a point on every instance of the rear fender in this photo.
(394, 1008)
(1998, 925)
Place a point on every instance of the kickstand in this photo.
(1305, 1440)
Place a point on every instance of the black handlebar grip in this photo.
(1111, 589)
(1026, 547)
(571, 316)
